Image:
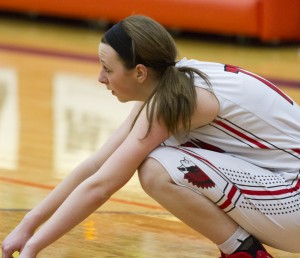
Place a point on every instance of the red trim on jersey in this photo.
(203, 145)
(240, 134)
(296, 150)
(269, 84)
(236, 69)
(231, 68)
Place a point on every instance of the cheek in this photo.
(120, 82)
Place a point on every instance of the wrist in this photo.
(29, 250)
(29, 223)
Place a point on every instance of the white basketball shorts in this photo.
(262, 202)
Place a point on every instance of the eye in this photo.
(106, 69)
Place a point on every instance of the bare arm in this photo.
(84, 170)
(95, 190)
(18, 237)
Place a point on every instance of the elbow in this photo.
(97, 194)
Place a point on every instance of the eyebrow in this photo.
(102, 61)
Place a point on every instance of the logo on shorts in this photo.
(195, 175)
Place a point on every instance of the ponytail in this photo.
(174, 99)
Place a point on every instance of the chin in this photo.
(123, 100)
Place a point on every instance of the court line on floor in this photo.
(94, 59)
(48, 52)
(50, 187)
(99, 212)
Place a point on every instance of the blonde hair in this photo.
(174, 97)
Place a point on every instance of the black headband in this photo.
(118, 39)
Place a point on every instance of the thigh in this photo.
(260, 201)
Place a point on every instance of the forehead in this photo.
(107, 53)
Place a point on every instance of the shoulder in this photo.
(201, 65)
(207, 108)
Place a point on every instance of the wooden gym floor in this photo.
(54, 113)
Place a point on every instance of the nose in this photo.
(102, 78)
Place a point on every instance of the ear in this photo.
(141, 73)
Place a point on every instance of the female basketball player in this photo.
(216, 145)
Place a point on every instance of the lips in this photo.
(112, 92)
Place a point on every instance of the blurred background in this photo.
(54, 113)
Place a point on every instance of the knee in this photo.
(149, 175)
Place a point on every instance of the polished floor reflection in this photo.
(54, 113)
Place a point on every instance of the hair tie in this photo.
(118, 39)
(171, 63)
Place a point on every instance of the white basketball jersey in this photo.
(256, 122)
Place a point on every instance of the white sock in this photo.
(231, 244)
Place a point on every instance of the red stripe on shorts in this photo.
(231, 193)
(272, 192)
